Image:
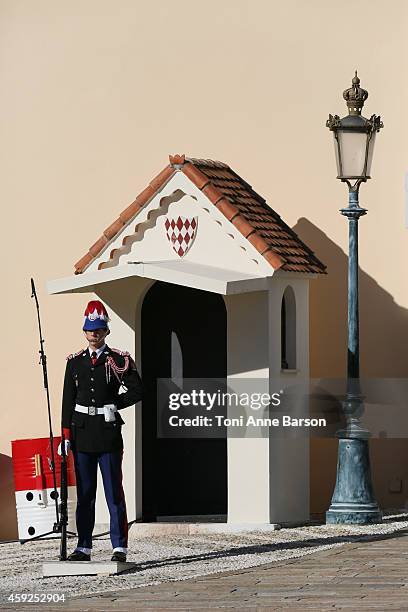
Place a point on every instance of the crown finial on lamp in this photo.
(355, 96)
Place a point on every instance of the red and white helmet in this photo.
(96, 316)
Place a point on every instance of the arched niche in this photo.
(288, 330)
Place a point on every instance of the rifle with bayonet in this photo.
(61, 509)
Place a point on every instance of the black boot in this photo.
(119, 556)
(77, 555)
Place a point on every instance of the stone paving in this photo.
(361, 576)
(364, 573)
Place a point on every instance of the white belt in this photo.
(92, 410)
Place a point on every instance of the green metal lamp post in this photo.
(353, 499)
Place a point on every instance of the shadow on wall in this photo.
(383, 353)
(8, 523)
(383, 324)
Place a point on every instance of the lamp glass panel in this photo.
(370, 153)
(352, 151)
(336, 153)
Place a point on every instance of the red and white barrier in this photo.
(34, 486)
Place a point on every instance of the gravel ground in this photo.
(165, 558)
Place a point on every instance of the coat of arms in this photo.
(181, 233)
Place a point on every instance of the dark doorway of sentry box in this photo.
(184, 336)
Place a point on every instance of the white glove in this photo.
(109, 412)
(67, 448)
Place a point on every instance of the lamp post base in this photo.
(353, 499)
(352, 517)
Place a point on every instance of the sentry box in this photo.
(203, 279)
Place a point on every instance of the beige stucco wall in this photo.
(96, 94)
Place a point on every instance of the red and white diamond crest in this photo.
(181, 233)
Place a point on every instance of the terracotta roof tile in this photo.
(227, 209)
(114, 228)
(285, 249)
(125, 216)
(158, 180)
(212, 193)
(243, 226)
(129, 212)
(237, 201)
(272, 258)
(96, 248)
(83, 262)
(146, 195)
(258, 242)
(195, 175)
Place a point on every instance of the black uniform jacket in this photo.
(96, 385)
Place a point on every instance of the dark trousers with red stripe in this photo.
(110, 464)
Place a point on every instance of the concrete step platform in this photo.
(142, 530)
(85, 568)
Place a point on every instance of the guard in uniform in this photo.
(99, 381)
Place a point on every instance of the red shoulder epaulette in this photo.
(75, 354)
(123, 353)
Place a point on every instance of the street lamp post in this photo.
(353, 499)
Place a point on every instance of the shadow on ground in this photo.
(258, 549)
